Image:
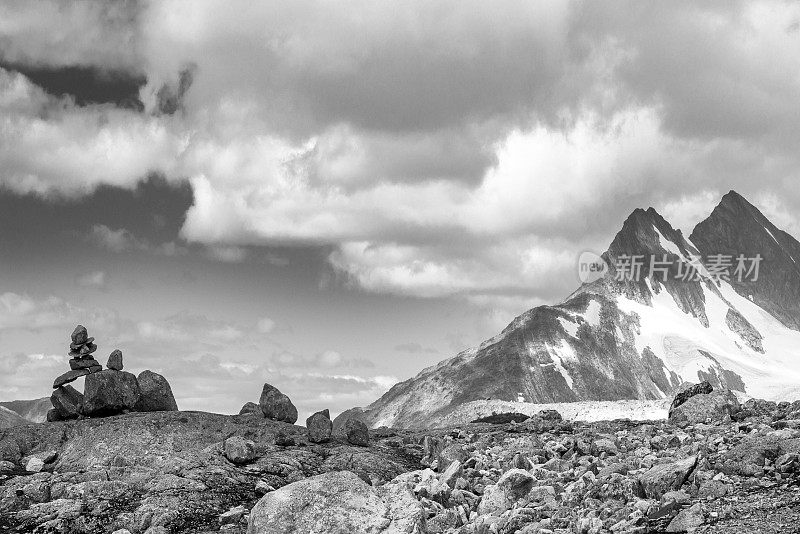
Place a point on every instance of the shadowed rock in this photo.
(110, 392)
(156, 393)
(319, 427)
(357, 433)
(67, 401)
(703, 388)
(250, 407)
(115, 360)
(277, 406)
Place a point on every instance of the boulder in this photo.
(319, 427)
(53, 416)
(715, 407)
(688, 391)
(250, 407)
(115, 360)
(156, 394)
(67, 401)
(239, 450)
(334, 503)
(342, 419)
(662, 478)
(277, 406)
(357, 433)
(513, 485)
(110, 392)
(687, 520)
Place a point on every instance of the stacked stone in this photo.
(81, 360)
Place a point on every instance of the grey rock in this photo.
(340, 420)
(451, 453)
(277, 406)
(451, 474)
(53, 416)
(70, 376)
(337, 502)
(688, 391)
(239, 450)
(110, 392)
(67, 401)
(357, 433)
(79, 335)
(712, 489)
(250, 407)
(115, 360)
(687, 520)
(319, 427)
(662, 478)
(232, 516)
(34, 465)
(513, 485)
(156, 393)
(83, 363)
(715, 407)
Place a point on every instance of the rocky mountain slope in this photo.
(34, 410)
(714, 466)
(629, 337)
(9, 418)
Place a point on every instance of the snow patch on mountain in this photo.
(667, 244)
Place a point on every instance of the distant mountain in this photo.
(34, 411)
(701, 313)
(9, 418)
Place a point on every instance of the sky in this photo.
(331, 196)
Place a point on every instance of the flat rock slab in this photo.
(70, 376)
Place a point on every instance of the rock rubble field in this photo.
(714, 465)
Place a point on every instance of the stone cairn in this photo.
(81, 362)
(107, 392)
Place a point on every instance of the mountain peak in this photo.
(736, 228)
(645, 232)
(735, 202)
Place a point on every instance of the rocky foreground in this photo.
(713, 467)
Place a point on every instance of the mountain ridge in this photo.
(625, 337)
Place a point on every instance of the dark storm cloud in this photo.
(154, 210)
(719, 69)
(85, 85)
(465, 148)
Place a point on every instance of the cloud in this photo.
(227, 254)
(415, 348)
(95, 279)
(265, 325)
(24, 312)
(463, 149)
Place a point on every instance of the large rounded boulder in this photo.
(319, 427)
(718, 406)
(277, 406)
(156, 394)
(110, 392)
(337, 502)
